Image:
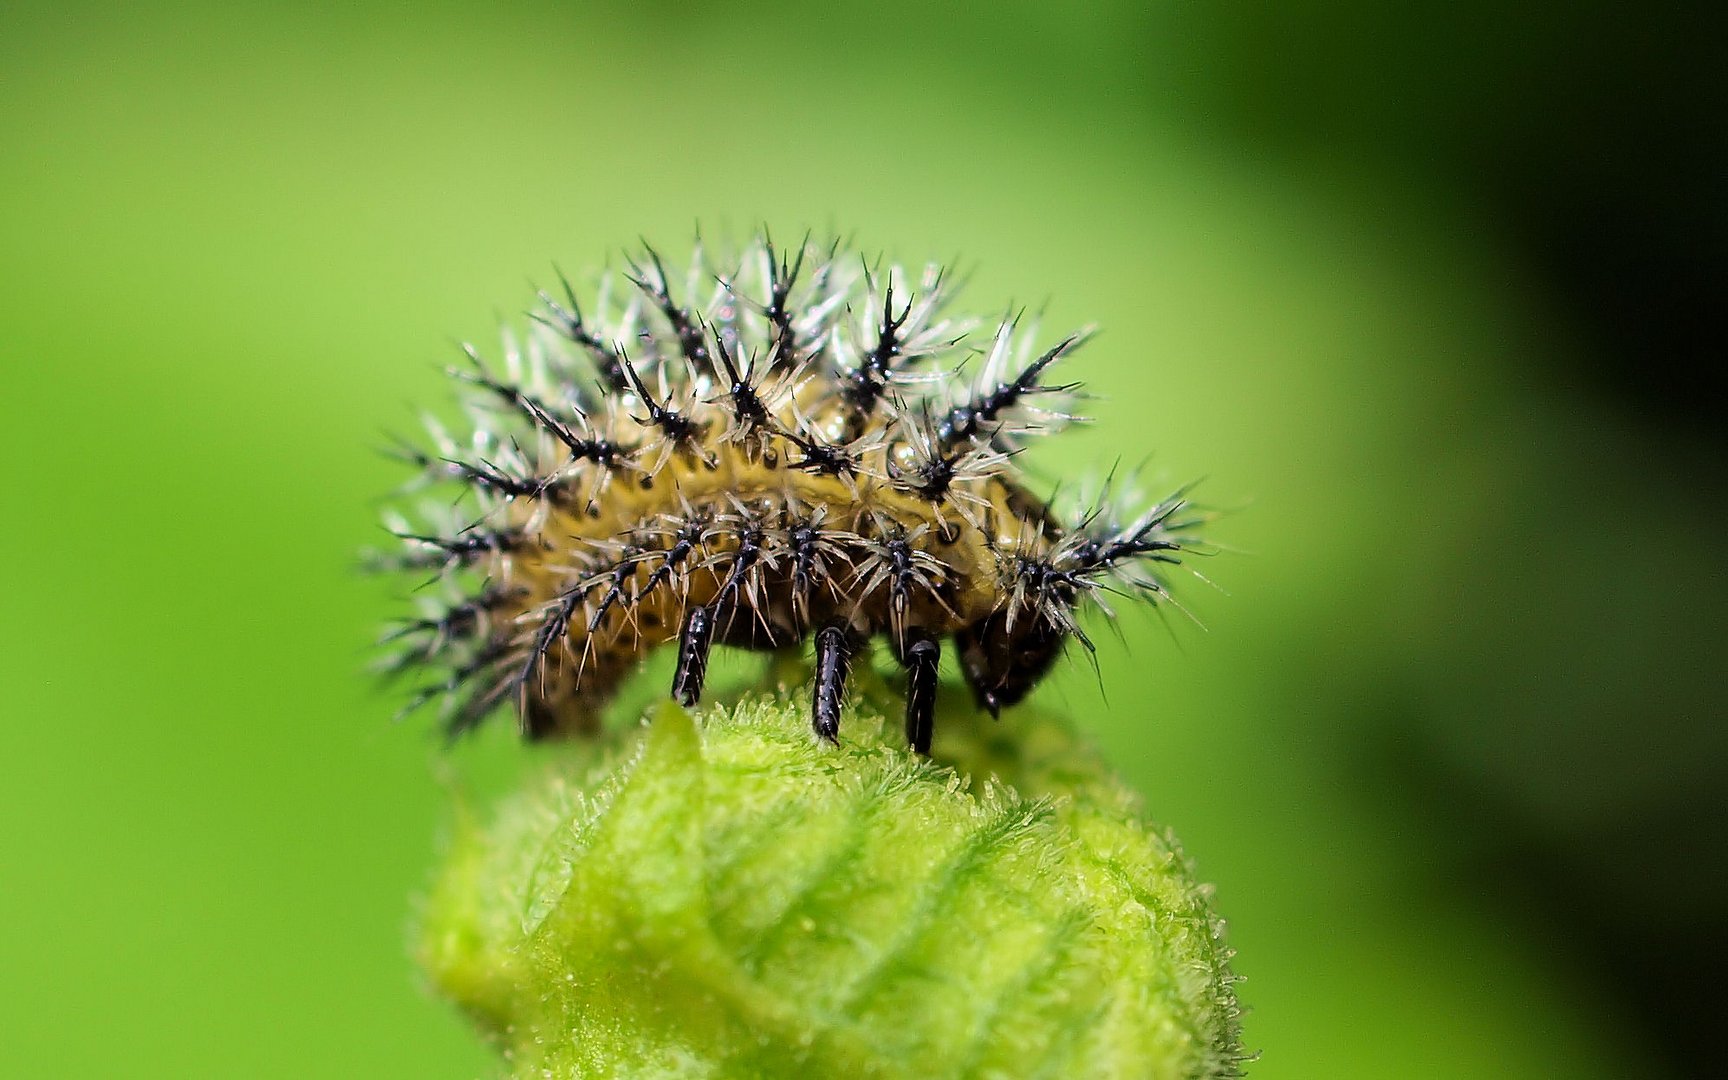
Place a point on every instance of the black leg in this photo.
(693, 642)
(833, 653)
(922, 657)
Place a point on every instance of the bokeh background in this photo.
(1430, 294)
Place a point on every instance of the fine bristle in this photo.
(744, 455)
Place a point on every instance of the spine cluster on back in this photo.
(782, 445)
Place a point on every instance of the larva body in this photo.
(787, 460)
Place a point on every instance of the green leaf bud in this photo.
(728, 897)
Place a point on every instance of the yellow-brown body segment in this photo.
(589, 532)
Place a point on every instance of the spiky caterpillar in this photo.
(771, 449)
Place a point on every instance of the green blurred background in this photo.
(1431, 293)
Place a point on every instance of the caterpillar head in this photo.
(1002, 661)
